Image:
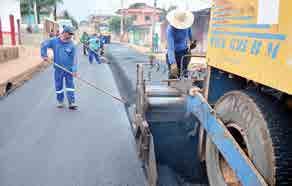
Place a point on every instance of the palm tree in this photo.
(54, 3)
(41, 5)
(26, 7)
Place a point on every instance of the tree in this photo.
(165, 12)
(66, 15)
(26, 7)
(42, 6)
(138, 5)
(115, 23)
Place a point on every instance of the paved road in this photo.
(41, 145)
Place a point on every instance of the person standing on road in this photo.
(65, 55)
(84, 40)
(94, 46)
(179, 34)
(102, 43)
(155, 43)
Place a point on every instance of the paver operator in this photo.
(65, 55)
(179, 34)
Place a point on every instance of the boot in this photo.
(73, 106)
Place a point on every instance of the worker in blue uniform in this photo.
(94, 47)
(179, 36)
(65, 55)
(102, 43)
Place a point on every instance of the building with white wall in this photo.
(8, 7)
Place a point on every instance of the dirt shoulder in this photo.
(13, 73)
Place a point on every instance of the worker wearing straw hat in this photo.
(179, 34)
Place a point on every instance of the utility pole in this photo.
(153, 24)
(35, 12)
(122, 20)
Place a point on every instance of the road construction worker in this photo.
(94, 47)
(179, 34)
(65, 55)
(102, 43)
(84, 40)
(155, 43)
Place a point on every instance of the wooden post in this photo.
(12, 30)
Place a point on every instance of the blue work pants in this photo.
(60, 76)
(93, 55)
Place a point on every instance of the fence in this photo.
(11, 37)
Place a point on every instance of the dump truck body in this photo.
(253, 39)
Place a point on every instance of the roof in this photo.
(140, 7)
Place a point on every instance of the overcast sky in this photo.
(80, 9)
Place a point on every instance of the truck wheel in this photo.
(260, 126)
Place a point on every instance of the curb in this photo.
(15, 82)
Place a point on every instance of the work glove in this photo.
(75, 74)
(193, 45)
(174, 70)
(46, 59)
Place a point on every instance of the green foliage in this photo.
(166, 11)
(138, 5)
(43, 6)
(66, 15)
(115, 23)
(171, 8)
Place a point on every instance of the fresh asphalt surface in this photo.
(41, 145)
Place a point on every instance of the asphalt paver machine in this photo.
(240, 97)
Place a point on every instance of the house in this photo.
(143, 17)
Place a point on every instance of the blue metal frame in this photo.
(226, 144)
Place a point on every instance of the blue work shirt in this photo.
(102, 40)
(177, 41)
(94, 43)
(65, 53)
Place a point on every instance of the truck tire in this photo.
(261, 127)
(221, 83)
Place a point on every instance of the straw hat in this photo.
(180, 19)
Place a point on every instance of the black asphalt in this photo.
(176, 154)
(41, 145)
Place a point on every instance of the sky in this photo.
(80, 9)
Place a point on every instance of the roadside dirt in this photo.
(14, 73)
